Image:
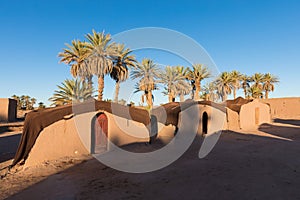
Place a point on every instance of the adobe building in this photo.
(8, 110)
(67, 131)
(169, 118)
(237, 114)
(247, 114)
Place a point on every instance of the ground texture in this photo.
(262, 164)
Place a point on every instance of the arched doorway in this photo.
(204, 123)
(99, 133)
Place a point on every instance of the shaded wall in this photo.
(216, 121)
(254, 114)
(72, 137)
(56, 141)
(233, 121)
(8, 110)
(284, 108)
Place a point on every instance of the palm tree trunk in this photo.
(100, 87)
(245, 92)
(234, 92)
(117, 91)
(149, 99)
(196, 95)
(224, 96)
(90, 82)
(181, 97)
(170, 98)
(192, 94)
(267, 94)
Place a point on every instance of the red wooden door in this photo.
(101, 133)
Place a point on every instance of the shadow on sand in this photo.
(241, 166)
(288, 132)
(294, 122)
(8, 146)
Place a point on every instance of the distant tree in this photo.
(209, 92)
(24, 102)
(245, 82)
(132, 103)
(71, 91)
(196, 75)
(75, 55)
(236, 81)
(147, 72)
(174, 82)
(257, 79)
(121, 62)
(224, 85)
(185, 89)
(268, 83)
(255, 92)
(41, 105)
(122, 102)
(31, 103)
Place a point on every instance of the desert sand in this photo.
(259, 164)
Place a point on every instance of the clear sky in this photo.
(249, 36)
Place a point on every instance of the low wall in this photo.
(232, 120)
(284, 108)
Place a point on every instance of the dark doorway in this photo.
(204, 123)
(99, 133)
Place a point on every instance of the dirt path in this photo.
(262, 164)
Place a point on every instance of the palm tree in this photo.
(236, 81)
(26, 101)
(174, 82)
(41, 105)
(22, 102)
(268, 83)
(122, 61)
(71, 91)
(245, 81)
(258, 79)
(224, 85)
(31, 104)
(255, 92)
(186, 88)
(196, 75)
(147, 72)
(100, 57)
(209, 91)
(75, 56)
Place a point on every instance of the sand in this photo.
(260, 164)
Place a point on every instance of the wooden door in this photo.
(100, 133)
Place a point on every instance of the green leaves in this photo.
(71, 91)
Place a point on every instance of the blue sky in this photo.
(249, 36)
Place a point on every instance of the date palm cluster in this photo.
(256, 86)
(98, 56)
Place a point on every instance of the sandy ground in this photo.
(262, 164)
